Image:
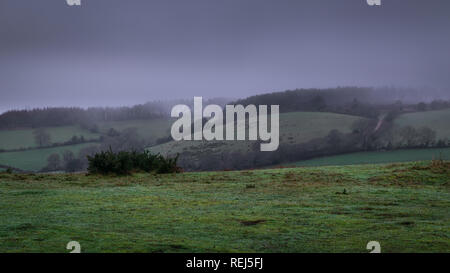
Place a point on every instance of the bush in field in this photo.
(109, 162)
(167, 165)
(123, 163)
(73, 165)
(54, 162)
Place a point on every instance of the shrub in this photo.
(123, 163)
(54, 162)
(167, 165)
(73, 165)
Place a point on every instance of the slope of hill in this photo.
(23, 138)
(35, 160)
(295, 127)
(149, 130)
(435, 120)
(327, 209)
(438, 121)
(377, 157)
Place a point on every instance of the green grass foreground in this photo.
(405, 207)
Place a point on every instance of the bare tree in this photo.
(41, 137)
(54, 162)
(426, 136)
(409, 136)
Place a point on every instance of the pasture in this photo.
(149, 130)
(23, 138)
(35, 160)
(377, 157)
(438, 121)
(296, 127)
(320, 209)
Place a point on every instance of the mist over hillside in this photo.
(179, 49)
(345, 100)
(343, 95)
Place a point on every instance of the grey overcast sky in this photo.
(122, 52)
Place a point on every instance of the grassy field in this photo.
(323, 209)
(300, 127)
(34, 160)
(16, 139)
(147, 129)
(297, 127)
(377, 157)
(439, 121)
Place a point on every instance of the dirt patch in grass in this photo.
(394, 215)
(28, 192)
(340, 212)
(252, 223)
(367, 208)
(400, 179)
(407, 223)
(21, 227)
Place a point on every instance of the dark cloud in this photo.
(115, 52)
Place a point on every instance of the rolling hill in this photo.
(300, 127)
(34, 160)
(149, 130)
(23, 138)
(438, 121)
(295, 127)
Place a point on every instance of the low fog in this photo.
(117, 52)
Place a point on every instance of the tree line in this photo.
(87, 118)
(358, 101)
(63, 116)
